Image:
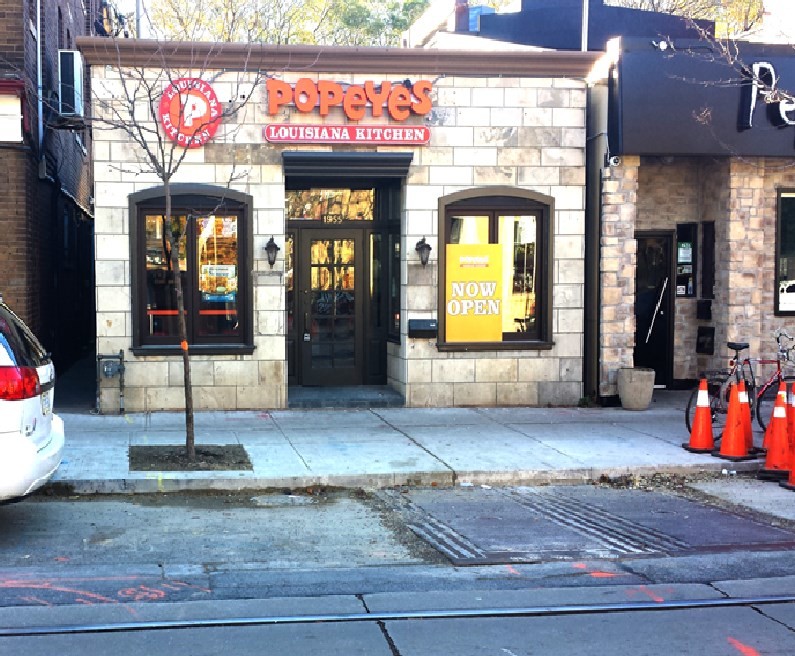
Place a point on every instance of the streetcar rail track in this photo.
(394, 616)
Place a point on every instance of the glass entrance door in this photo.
(329, 309)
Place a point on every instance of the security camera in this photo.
(614, 160)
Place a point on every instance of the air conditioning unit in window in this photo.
(70, 83)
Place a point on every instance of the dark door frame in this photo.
(333, 376)
(665, 371)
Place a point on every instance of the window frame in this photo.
(789, 193)
(499, 201)
(196, 200)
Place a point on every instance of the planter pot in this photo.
(635, 387)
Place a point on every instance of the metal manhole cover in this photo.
(474, 526)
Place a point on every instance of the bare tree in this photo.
(129, 102)
(732, 16)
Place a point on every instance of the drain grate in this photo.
(439, 535)
(619, 535)
(546, 524)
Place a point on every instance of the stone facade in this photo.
(739, 195)
(485, 131)
(617, 287)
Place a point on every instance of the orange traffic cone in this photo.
(745, 414)
(732, 443)
(782, 393)
(791, 420)
(701, 437)
(790, 482)
(779, 456)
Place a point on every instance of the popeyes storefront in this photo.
(424, 212)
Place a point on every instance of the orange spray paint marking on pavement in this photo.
(512, 570)
(649, 593)
(745, 650)
(595, 575)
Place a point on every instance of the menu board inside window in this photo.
(330, 206)
(685, 259)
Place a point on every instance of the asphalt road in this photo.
(90, 562)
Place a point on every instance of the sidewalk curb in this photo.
(165, 482)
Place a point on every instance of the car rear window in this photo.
(22, 347)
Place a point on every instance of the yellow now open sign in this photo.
(473, 293)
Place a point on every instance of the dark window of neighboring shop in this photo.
(708, 260)
(495, 288)
(214, 262)
(785, 254)
(686, 234)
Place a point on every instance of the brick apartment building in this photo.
(46, 221)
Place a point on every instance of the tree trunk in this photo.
(175, 236)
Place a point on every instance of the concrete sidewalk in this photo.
(392, 446)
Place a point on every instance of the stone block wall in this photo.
(740, 197)
(528, 133)
(618, 264)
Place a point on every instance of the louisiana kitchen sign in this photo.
(356, 102)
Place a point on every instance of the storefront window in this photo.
(212, 265)
(785, 269)
(493, 294)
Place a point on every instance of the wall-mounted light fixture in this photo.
(424, 250)
(271, 250)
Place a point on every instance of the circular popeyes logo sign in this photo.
(190, 112)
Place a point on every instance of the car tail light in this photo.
(17, 383)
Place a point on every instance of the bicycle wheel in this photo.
(716, 406)
(766, 400)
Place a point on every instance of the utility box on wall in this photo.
(423, 328)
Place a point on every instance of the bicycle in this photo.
(766, 394)
(719, 387)
(761, 400)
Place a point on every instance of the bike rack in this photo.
(110, 366)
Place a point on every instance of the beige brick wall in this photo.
(534, 138)
(525, 132)
(617, 272)
(740, 196)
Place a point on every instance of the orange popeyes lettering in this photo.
(399, 99)
(306, 95)
(421, 91)
(330, 94)
(279, 93)
(378, 97)
(399, 103)
(354, 103)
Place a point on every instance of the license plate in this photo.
(46, 402)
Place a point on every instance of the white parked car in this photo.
(31, 436)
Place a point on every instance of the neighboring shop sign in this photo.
(189, 112)
(473, 293)
(357, 134)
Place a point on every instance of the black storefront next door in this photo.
(654, 286)
(328, 308)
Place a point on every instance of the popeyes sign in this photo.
(189, 112)
(400, 100)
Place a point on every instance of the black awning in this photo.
(325, 164)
